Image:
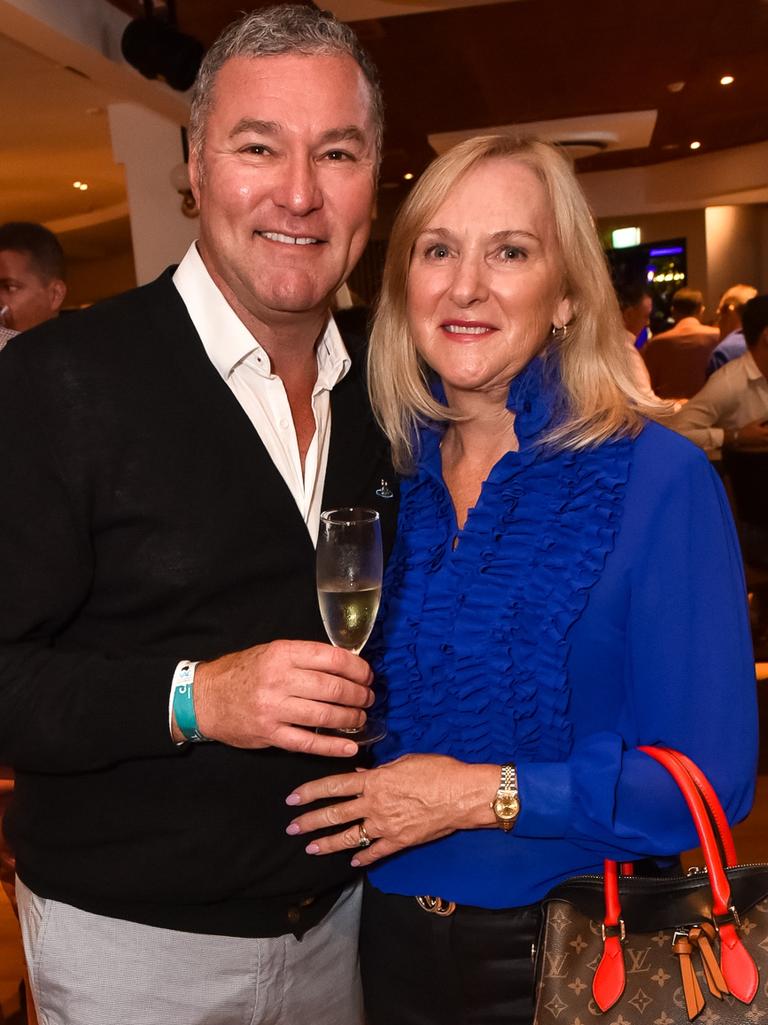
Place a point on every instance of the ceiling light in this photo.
(76, 185)
(676, 87)
(696, 145)
(408, 176)
(727, 80)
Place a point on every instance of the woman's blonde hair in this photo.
(602, 396)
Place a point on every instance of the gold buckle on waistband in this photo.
(436, 906)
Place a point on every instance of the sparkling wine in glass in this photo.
(349, 571)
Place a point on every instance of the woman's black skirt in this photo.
(473, 967)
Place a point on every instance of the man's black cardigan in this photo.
(141, 522)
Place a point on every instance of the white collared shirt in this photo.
(247, 369)
(733, 396)
(6, 334)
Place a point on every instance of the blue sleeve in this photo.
(688, 681)
(716, 360)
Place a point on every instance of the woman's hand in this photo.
(410, 801)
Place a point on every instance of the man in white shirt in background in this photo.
(731, 410)
(636, 306)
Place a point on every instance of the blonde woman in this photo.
(566, 585)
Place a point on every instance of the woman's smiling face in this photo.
(486, 283)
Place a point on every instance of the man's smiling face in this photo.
(285, 182)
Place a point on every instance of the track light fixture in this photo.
(156, 48)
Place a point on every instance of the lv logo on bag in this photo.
(556, 964)
(658, 951)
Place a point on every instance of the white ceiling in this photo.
(58, 134)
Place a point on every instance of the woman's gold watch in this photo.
(506, 803)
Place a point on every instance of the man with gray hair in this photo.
(163, 671)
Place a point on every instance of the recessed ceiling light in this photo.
(408, 176)
(695, 145)
(83, 186)
(727, 80)
(676, 87)
(76, 185)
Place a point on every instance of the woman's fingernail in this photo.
(355, 863)
(293, 799)
(312, 848)
(293, 829)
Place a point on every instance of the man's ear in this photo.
(194, 181)
(57, 292)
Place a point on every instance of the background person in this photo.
(162, 483)
(32, 286)
(731, 410)
(732, 343)
(563, 573)
(636, 306)
(677, 359)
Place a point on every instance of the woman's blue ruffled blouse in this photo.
(593, 601)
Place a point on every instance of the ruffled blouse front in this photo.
(475, 637)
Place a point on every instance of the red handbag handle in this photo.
(705, 808)
(707, 791)
(718, 881)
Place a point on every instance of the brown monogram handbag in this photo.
(619, 949)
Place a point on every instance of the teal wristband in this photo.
(184, 702)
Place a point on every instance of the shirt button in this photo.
(284, 424)
(293, 915)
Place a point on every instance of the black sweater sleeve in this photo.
(63, 707)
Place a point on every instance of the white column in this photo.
(149, 147)
(734, 247)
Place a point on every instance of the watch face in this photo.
(507, 807)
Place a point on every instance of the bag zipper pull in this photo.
(694, 999)
(702, 936)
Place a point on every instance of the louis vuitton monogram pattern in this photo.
(571, 948)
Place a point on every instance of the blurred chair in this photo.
(678, 364)
(746, 473)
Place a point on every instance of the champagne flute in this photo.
(349, 571)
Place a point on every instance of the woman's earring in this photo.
(559, 333)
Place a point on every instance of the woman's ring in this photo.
(364, 840)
